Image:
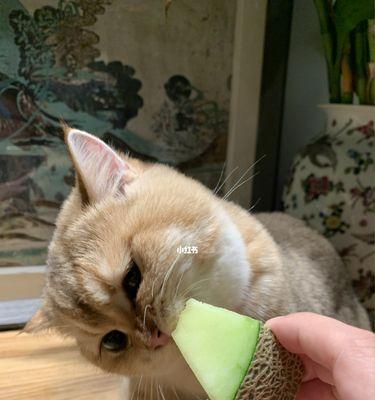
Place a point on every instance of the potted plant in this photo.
(331, 184)
(348, 29)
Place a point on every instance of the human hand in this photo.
(339, 359)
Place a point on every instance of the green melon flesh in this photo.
(218, 345)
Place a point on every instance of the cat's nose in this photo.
(158, 339)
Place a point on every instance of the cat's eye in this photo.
(132, 281)
(115, 341)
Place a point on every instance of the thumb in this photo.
(347, 352)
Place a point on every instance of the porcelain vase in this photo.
(331, 185)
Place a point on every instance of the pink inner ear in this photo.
(101, 149)
(102, 171)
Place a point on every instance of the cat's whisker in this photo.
(161, 392)
(133, 393)
(167, 275)
(157, 391)
(175, 392)
(178, 286)
(241, 177)
(139, 386)
(152, 290)
(238, 181)
(234, 188)
(148, 385)
(145, 315)
(227, 177)
(221, 175)
(194, 285)
(191, 287)
(254, 205)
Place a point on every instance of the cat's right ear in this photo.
(101, 172)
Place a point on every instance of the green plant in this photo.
(348, 33)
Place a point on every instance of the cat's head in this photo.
(118, 271)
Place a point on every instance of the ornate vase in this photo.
(331, 185)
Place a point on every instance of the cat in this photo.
(117, 279)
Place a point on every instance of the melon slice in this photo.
(235, 357)
(218, 345)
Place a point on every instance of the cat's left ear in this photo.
(38, 322)
(101, 172)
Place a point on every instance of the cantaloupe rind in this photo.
(274, 373)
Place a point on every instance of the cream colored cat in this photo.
(116, 282)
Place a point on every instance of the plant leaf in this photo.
(349, 13)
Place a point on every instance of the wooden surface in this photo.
(49, 368)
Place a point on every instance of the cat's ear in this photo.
(101, 172)
(38, 322)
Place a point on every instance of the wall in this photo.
(306, 86)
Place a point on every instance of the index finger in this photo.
(322, 339)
